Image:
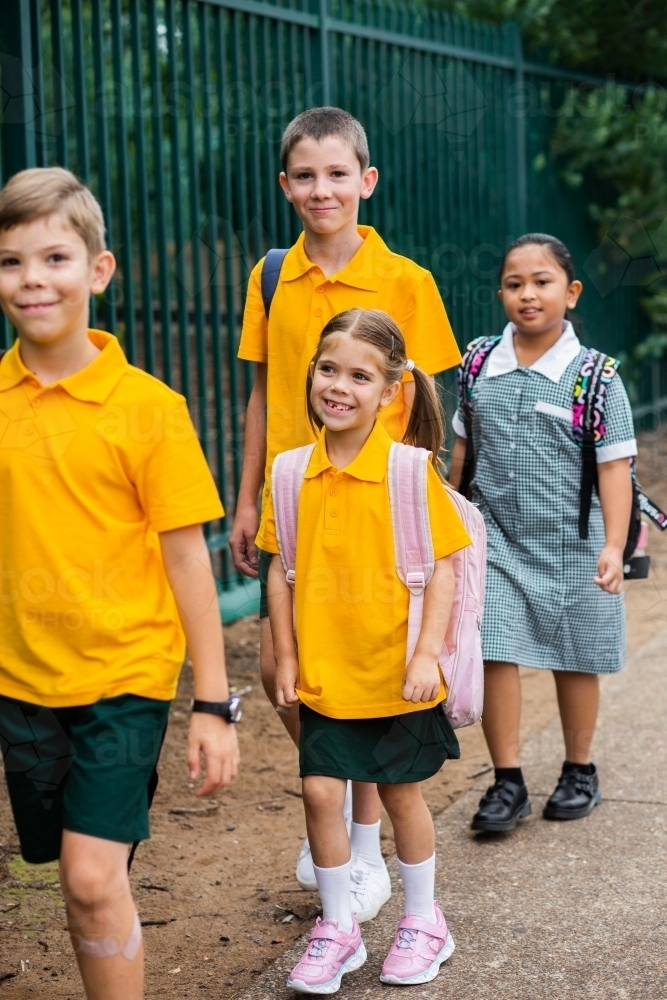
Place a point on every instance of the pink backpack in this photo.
(461, 657)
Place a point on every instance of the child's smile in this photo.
(348, 385)
(324, 182)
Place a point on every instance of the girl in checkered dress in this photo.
(553, 600)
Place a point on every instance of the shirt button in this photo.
(333, 513)
(514, 417)
(512, 444)
(320, 288)
(518, 392)
(511, 475)
(316, 270)
(36, 403)
(333, 493)
(318, 312)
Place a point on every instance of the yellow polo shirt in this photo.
(351, 607)
(304, 303)
(91, 468)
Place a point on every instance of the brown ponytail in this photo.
(372, 326)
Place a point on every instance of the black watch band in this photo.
(229, 710)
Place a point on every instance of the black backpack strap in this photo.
(271, 269)
(475, 355)
(588, 399)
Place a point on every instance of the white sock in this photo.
(347, 808)
(365, 844)
(334, 888)
(419, 887)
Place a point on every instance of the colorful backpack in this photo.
(461, 659)
(588, 429)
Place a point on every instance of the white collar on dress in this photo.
(552, 364)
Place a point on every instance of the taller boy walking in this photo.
(334, 265)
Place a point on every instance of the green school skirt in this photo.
(397, 749)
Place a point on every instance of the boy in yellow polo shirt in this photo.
(105, 576)
(335, 265)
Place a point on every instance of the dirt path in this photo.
(216, 889)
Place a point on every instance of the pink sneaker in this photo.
(418, 951)
(329, 955)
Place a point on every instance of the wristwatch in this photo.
(229, 710)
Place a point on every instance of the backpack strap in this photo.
(588, 426)
(287, 474)
(413, 544)
(271, 269)
(471, 365)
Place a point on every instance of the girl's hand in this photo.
(214, 739)
(287, 678)
(610, 570)
(422, 679)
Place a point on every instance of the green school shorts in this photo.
(84, 769)
(393, 750)
(263, 573)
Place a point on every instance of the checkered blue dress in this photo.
(542, 608)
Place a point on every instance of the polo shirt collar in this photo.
(552, 364)
(370, 465)
(93, 384)
(366, 270)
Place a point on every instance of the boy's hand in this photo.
(422, 679)
(287, 678)
(242, 540)
(610, 570)
(215, 739)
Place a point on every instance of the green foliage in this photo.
(619, 138)
(627, 40)
(613, 137)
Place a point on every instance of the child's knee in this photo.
(322, 794)
(398, 799)
(92, 882)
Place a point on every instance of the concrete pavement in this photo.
(564, 911)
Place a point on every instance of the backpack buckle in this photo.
(290, 576)
(416, 583)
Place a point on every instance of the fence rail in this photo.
(172, 110)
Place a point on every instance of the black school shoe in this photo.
(576, 795)
(501, 807)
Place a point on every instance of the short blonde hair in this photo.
(41, 191)
(320, 123)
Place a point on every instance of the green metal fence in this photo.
(172, 110)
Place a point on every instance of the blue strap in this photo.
(271, 268)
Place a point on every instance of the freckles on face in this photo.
(323, 180)
(44, 271)
(348, 382)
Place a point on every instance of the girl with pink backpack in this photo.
(359, 602)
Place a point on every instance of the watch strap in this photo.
(221, 708)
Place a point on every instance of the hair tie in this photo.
(409, 365)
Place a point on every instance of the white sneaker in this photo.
(370, 888)
(305, 873)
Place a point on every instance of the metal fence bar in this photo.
(159, 193)
(80, 94)
(123, 182)
(102, 152)
(59, 90)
